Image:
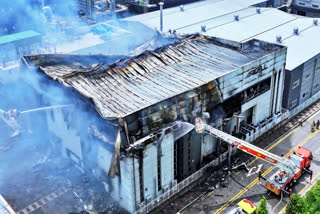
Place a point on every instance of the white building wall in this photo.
(239, 80)
(70, 139)
(127, 199)
(167, 160)
(150, 180)
(261, 106)
(209, 145)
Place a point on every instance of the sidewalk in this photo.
(304, 191)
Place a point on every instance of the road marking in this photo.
(256, 172)
(244, 190)
(44, 200)
(284, 137)
(315, 178)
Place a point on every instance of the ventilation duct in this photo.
(236, 17)
(278, 38)
(296, 31)
(315, 22)
(258, 10)
(203, 28)
(181, 8)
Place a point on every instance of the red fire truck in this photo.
(289, 169)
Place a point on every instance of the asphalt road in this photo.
(244, 185)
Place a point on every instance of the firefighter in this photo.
(312, 126)
(280, 175)
(300, 122)
(318, 124)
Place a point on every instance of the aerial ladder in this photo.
(289, 169)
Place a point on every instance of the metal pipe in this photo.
(161, 16)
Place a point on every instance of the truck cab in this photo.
(306, 156)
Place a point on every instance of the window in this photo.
(316, 86)
(302, 3)
(315, 6)
(295, 84)
(294, 103)
(308, 75)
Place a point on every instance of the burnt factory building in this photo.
(137, 137)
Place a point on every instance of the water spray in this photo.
(44, 108)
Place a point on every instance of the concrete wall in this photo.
(167, 160)
(209, 145)
(150, 166)
(239, 80)
(260, 104)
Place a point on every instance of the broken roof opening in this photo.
(132, 84)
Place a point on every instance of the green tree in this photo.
(296, 205)
(262, 206)
(312, 200)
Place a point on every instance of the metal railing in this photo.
(177, 187)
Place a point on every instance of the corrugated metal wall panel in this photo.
(167, 161)
(136, 174)
(306, 80)
(316, 79)
(86, 5)
(127, 187)
(209, 145)
(195, 150)
(294, 92)
(286, 91)
(150, 171)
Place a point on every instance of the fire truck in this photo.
(289, 169)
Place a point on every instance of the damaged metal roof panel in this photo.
(132, 84)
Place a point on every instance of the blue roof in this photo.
(18, 36)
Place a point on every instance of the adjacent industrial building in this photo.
(310, 8)
(13, 46)
(139, 139)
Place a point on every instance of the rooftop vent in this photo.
(315, 22)
(278, 37)
(236, 17)
(296, 31)
(181, 8)
(203, 28)
(258, 10)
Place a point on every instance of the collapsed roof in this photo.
(132, 84)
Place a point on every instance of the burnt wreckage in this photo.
(138, 140)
